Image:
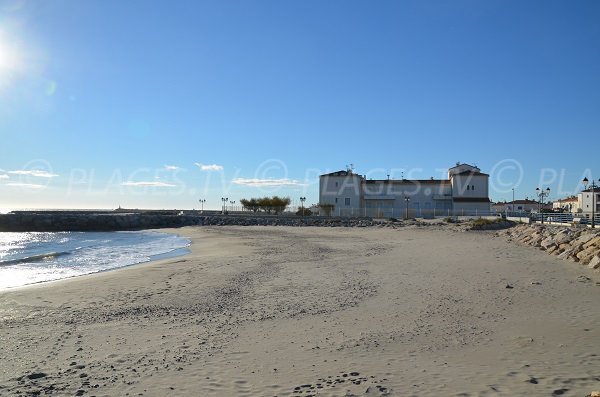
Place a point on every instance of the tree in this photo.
(306, 212)
(328, 208)
(250, 205)
(264, 204)
(279, 204)
(267, 204)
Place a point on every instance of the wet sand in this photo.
(280, 311)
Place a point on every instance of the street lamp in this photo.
(513, 203)
(224, 200)
(232, 203)
(302, 200)
(593, 186)
(407, 199)
(541, 194)
(202, 201)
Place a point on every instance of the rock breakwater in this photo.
(84, 222)
(80, 221)
(574, 244)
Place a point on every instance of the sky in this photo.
(158, 104)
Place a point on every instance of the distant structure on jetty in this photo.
(465, 192)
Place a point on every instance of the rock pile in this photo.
(290, 221)
(81, 222)
(578, 245)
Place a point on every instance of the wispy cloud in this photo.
(148, 184)
(172, 168)
(36, 173)
(266, 182)
(25, 185)
(209, 167)
(4, 176)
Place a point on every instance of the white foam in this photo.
(31, 257)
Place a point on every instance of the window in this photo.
(336, 184)
(336, 200)
(468, 187)
(347, 201)
(472, 187)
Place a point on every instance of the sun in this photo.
(10, 62)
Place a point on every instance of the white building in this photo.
(584, 201)
(465, 192)
(569, 204)
(519, 206)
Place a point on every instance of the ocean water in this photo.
(28, 258)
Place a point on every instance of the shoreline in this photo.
(174, 253)
(263, 311)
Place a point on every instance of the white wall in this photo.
(585, 202)
(470, 186)
(388, 196)
(336, 189)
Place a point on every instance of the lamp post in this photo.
(513, 202)
(406, 199)
(232, 203)
(202, 201)
(541, 194)
(302, 200)
(593, 186)
(224, 200)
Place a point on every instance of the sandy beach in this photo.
(281, 311)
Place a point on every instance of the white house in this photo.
(465, 192)
(518, 206)
(584, 201)
(569, 204)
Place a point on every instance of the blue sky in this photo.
(155, 104)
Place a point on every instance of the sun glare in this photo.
(9, 62)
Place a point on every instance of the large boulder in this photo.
(595, 262)
(593, 242)
(586, 255)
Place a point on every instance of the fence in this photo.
(401, 213)
(565, 218)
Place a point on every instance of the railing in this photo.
(565, 218)
(401, 213)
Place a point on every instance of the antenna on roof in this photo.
(458, 163)
(402, 175)
(350, 168)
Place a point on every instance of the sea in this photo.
(36, 257)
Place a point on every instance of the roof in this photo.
(409, 181)
(527, 201)
(471, 200)
(461, 164)
(475, 173)
(340, 173)
(568, 200)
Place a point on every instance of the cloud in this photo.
(37, 173)
(4, 176)
(266, 182)
(25, 185)
(148, 184)
(172, 168)
(209, 167)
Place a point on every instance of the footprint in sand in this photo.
(349, 383)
